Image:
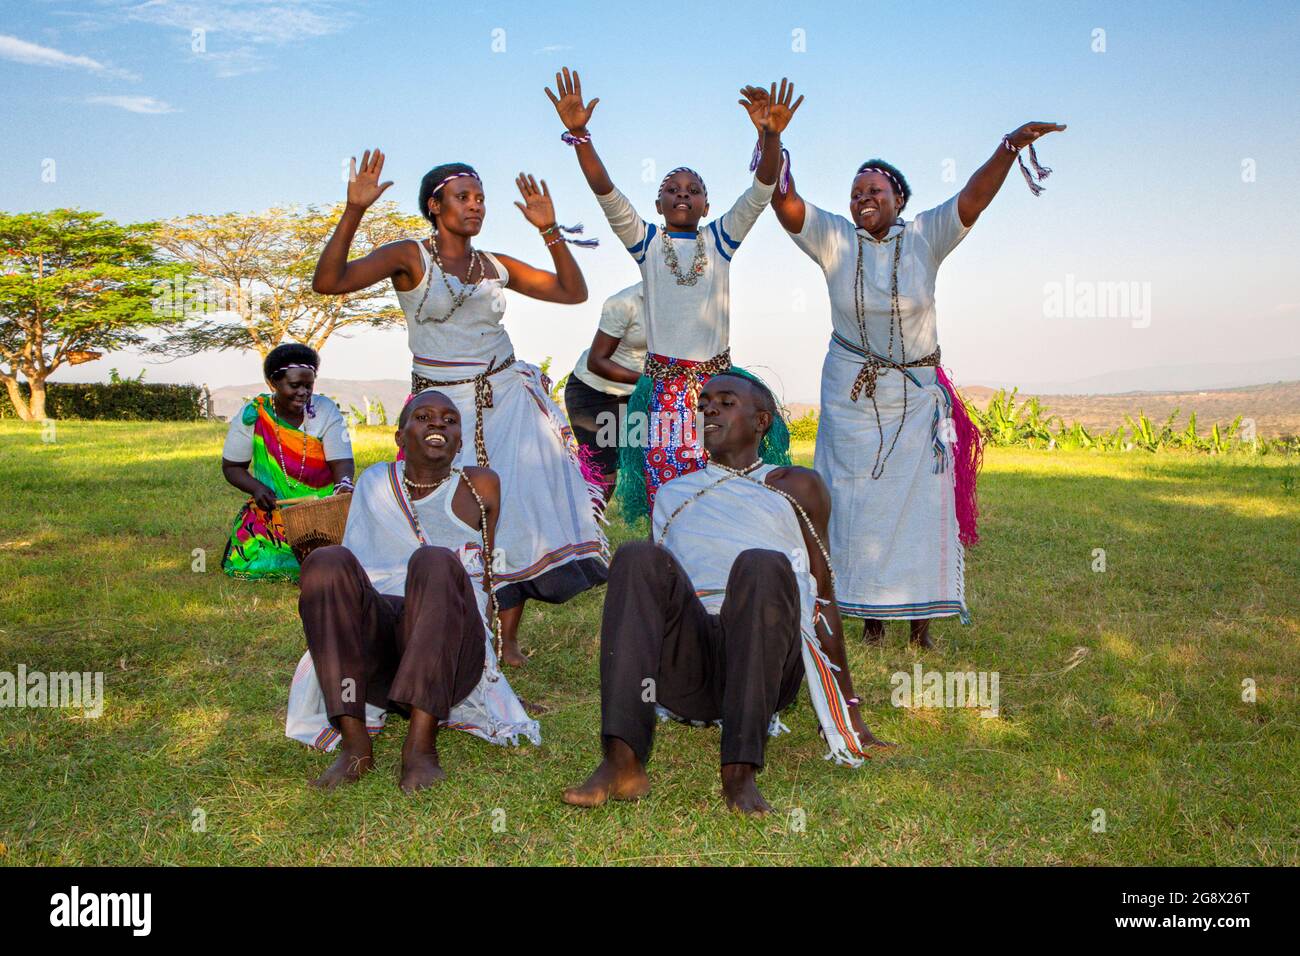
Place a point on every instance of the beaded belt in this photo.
(865, 381)
(662, 367)
(482, 399)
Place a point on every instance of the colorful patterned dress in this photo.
(257, 547)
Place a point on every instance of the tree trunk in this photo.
(37, 408)
(16, 397)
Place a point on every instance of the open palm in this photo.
(364, 186)
(568, 103)
(770, 110)
(537, 206)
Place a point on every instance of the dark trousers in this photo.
(424, 650)
(741, 665)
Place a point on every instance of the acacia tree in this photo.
(257, 272)
(73, 285)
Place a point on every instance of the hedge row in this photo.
(123, 401)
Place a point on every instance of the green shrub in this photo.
(124, 400)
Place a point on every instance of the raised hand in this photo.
(364, 186)
(756, 103)
(1032, 131)
(770, 110)
(568, 103)
(537, 206)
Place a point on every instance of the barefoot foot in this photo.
(348, 767)
(873, 630)
(921, 635)
(609, 782)
(511, 655)
(740, 790)
(420, 771)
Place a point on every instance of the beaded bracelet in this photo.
(560, 235)
(854, 701)
(572, 140)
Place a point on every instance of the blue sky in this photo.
(1148, 187)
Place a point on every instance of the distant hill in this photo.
(1275, 407)
(1173, 378)
(227, 400)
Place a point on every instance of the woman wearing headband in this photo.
(895, 443)
(549, 544)
(297, 445)
(685, 268)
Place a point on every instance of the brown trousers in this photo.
(424, 650)
(659, 644)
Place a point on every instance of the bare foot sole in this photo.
(347, 768)
(743, 797)
(511, 655)
(608, 783)
(420, 771)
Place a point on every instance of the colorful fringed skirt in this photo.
(895, 541)
(667, 444)
(257, 547)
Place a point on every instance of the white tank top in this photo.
(442, 528)
(710, 532)
(458, 347)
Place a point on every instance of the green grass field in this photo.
(1120, 691)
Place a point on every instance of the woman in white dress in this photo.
(894, 442)
(549, 544)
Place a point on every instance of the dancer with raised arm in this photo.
(685, 267)
(550, 546)
(894, 443)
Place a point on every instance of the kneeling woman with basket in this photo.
(297, 446)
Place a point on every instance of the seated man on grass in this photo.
(395, 616)
(718, 615)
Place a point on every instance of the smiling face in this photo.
(460, 206)
(873, 204)
(682, 201)
(293, 390)
(429, 433)
(734, 415)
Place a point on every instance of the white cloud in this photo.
(133, 104)
(33, 54)
(245, 21)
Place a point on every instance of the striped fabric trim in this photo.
(835, 703)
(546, 560)
(395, 483)
(327, 736)
(641, 248)
(717, 241)
(731, 242)
(904, 611)
(430, 362)
(709, 592)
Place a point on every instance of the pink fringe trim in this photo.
(590, 468)
(968, 457)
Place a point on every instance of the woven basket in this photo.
(314, 523)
